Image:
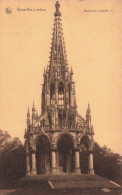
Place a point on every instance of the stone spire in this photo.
(28, 119)
(58, 87)
(33, 114)
(88, 116)
(33, 108)
(58, 63)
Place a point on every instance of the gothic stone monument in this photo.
(59, 140)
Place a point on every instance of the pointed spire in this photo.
(33, 104)
(33, 108)
(25, 133)
(88, 109)
(28, 112)
(71, 72)
(57, 13)
(28, 119)
(28, 109)
(57, 54)
(44, 70)
(88, 117)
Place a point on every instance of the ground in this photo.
(69, 184)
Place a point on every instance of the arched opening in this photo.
(61, 94)
(71, 120)
(64, 118)
(52, 93)
(84, 146)
(50, 120)
(66, 154)
(43, 158)
(60, 120)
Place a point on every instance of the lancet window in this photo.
(61, 94)
(52, 93)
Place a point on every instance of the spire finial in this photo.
(28, 109)
(71, 70)
(88, 110)
(28, 113)
(33, 104)
(57, 13)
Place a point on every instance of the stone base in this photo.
(54, 171)
(60, 170)
(78, 171)
(33, 172)
(91, 171)
(28, 173)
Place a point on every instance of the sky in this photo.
(92, 40)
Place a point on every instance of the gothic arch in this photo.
(52, 90)
(84, 153)
(61, 93)
(43, 154)
(38, 137)
(85, 140)
(66, 153)
(61, 87)
(61, 81)
(65, 132)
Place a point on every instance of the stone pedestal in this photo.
(91, 169)
(54, 168)
(33, 171)
(77, 162)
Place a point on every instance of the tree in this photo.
(12, 157)
(106, 163)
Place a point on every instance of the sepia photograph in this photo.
(60, 97)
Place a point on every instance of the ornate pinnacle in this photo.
(28, 113)
(57, 13)
(88, 110)
(33, 104)
(33, 108)
(71, 72)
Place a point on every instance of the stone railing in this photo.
(56, 127)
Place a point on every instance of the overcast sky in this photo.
(92, 41)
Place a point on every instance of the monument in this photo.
(59, 139)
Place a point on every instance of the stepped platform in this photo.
(84, 184)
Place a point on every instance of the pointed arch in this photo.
(65, 132)
(43, 154)
(61, 93)
(66, 153)
(84, 153)
(85, 140)
(38, 137)
(69, 90)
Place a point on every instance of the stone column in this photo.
(77, 162)
(27, 160)
(54, 164)
(91, 169)
(33, 171)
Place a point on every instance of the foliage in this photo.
(106, 163)
(12, 157)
